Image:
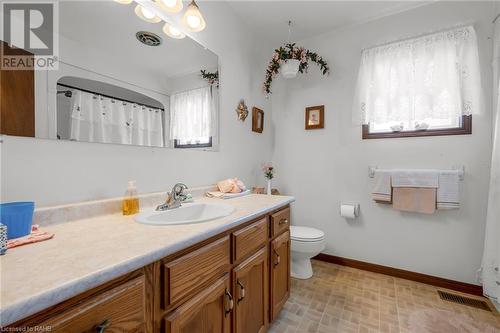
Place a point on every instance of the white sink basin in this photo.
(186, 214)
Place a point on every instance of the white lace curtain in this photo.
(430, 77)
(192, 115)
(100, 119)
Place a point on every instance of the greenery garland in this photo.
(290, 51)
(212, 78)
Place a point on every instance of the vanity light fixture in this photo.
(124, 2)
(173, 32)
(146, 14)
(171, 6)
(193, 19)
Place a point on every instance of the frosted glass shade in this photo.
(173, 32)
(193, 19)
(171, 6)
(146, 14)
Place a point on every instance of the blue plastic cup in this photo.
(18, 217)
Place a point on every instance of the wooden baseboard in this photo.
(403, 274)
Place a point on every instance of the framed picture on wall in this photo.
(257, 120)
(315, 117)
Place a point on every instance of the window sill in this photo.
(194, 146)
(466, 128)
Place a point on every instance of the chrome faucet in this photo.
(174, 197)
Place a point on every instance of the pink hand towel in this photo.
(413, 199)
(36, 236)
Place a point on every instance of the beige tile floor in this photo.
(343, 299)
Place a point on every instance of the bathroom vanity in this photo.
(233, 277)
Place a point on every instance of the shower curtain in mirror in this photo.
(491, 257)
(100, 119)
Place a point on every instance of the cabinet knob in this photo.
(102, 326)
(278, 258)
(283, 221)
(242, 291)
(230, 303)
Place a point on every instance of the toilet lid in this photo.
(306, 234)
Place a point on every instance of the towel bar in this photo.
(460, 168)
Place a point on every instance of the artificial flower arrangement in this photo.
(268, 170)
(290, 51)
(212, 78)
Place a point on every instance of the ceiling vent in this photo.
(148, 38)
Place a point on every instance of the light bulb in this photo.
(193, 21)
(193, 18)
(171, 6)
(146, 14)
(173, 32)
(170, 3)
(124, 2)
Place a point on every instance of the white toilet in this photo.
(306, 243)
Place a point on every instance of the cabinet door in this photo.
(208, 312)
(250, 282)
(280, 273)
(17, 102)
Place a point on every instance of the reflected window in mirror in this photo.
(192, 118)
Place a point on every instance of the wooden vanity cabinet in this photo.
(234, 282)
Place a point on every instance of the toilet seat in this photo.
(306, 234)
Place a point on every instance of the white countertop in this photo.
(89, 252)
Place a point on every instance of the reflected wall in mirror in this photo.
(113, 86)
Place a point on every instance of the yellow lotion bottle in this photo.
(130, 200)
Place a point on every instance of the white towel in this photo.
(448, 196)
(382, 189)
(221, 195)
(415, 178)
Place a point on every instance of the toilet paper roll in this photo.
(349, 211)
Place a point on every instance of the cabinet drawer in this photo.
(121, 309)
(250, 238)
(194, 270)
(280, 221)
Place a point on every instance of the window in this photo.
(192, 123)
(423, 86)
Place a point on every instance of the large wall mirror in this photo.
(120, 80)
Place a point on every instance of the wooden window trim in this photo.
(465, 128)
(196, 145)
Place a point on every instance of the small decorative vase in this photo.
(269, 186)
(290, 68)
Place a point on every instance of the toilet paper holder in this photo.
(349, 211)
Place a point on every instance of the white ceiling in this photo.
(311, 18)
(111, 28)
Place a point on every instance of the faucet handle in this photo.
(179, 187)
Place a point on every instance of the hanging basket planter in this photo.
(291, 60)
(290, 68)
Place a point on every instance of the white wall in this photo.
(53, 172)
(323, 168)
